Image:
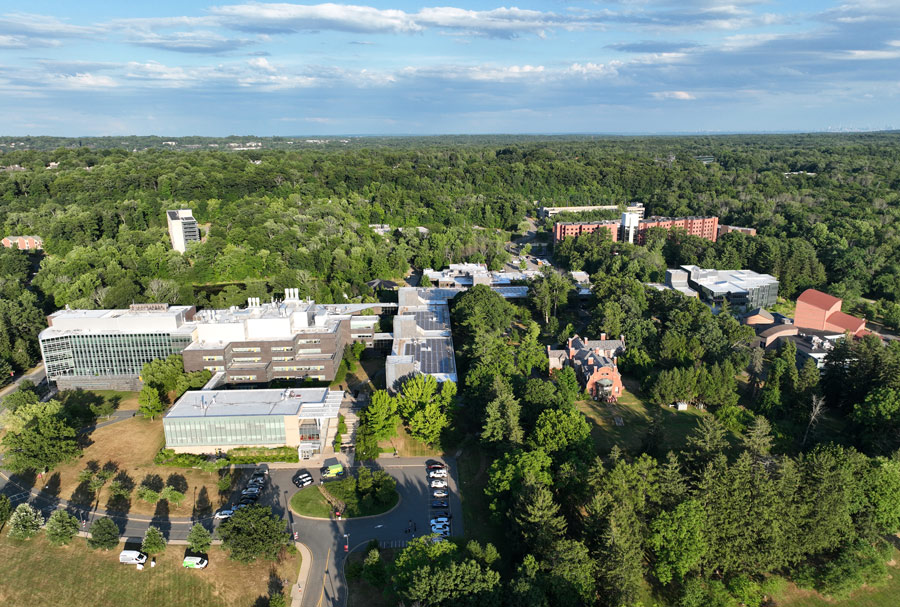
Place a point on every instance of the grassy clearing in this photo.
(127, 401)
(36, 573)
(884, 595)
(407, 446)
(130, 446)
(635, 412)
(309, 501)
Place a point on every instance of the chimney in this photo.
(622, 338)
(602, 336)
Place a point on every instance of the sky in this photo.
(96, 67)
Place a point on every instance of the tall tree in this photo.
(40, 439)
(537, 519)
(253, 532)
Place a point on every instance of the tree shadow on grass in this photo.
(177, 482)
(202, 506)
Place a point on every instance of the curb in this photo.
(349, 518)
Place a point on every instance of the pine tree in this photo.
(104, 534)
(25, 522)
(706, 441)
(672, 486)
(61, 527)
(538, 520)
(154, 542)
(758, 438)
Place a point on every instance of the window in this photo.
(243, 377)
(245, 349)
(282, 348)
(215, 368)
(282, 358)
(246, 359)
(212, 358)
(309, 341)
(300, 368)
(309, 350)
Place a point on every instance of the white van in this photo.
(194, 562)
(132, 557)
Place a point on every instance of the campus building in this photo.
(822, 312)
(742, 289)
(726, 229)
(422, 342)
(182, 228)
(635, 207)
(23, 243)
(210, 421)
(632, 228)
(465, 275)
(288, 339)
(106, 349)
(595, 364)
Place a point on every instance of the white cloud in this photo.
(594, 69)
(262, 63)
(680, 95)
(85, 80)
(189, 42)
(7, 41)
(285, 18)
(42, 25)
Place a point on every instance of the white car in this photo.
(251, 491)
(438, 484)
(223, 514)
(437, 474)
(441, 520)
(438, 493)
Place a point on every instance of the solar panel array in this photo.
(433, 320)
(433, 355)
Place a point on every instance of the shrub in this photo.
(25, 522)
(277, 600)
(154, 542)
(104, 534)
(61, 527)
(5, 510)
(147, 494)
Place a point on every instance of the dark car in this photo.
(303, 479)
(440, 513)
(260, 474)
(435, 466)
(250, 499)
(439, 503)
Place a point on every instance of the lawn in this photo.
(884, 595)
(127, 401)
(309, 501)
(635, 412)
(128, 447)
(36, 573)
(407, 446)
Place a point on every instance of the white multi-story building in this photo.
(182, 228)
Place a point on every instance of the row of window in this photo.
(300, 368)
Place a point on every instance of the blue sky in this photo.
(96, 67)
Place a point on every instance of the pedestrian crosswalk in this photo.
(394, 543)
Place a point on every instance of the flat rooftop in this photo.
(434, 356)
(142, 318)
(302, 402)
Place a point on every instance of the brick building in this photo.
(633, 229)
(24, 243)
(822, 312)
(595, 364)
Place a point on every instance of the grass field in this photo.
(635, 413)
(36, 573)
(309, 501)
(127, 401)
(129, 447)
(407, 446)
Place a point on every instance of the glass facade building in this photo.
(107, 354)
(225, 431)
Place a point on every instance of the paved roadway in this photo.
(325, 585)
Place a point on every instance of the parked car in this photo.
(251, 491)
(243, 504)
(223, 514)
(438, 473)
(333, 471)
(261, 473)
(441, 514)
(445, 532)
(439, 528)
(439, 503)
(303, 479)
(247, 500)
(438, 483)
(436, 466)
(256, 481)
(440, 493)
(441, 520)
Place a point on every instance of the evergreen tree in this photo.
(104, 534)
(706, 441)
(199, 539)
(758, 438)
(153, 542)
(538, 520)
(61, 527)
(25, 522)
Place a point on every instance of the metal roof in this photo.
(303, 402)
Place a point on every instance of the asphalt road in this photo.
(326, 539)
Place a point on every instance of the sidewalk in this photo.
(297, 589)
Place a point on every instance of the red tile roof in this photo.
(817, 299)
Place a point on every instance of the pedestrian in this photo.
(415, 527)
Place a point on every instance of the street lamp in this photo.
(346, 542)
